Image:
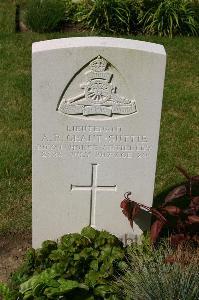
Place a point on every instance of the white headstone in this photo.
(96, 117)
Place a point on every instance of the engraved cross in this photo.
(93, 188)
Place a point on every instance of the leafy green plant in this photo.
(148, 4)
(45, 15)
(195, 6)
(149, 276)
(80, 266)
(71, 9)
(170, 17)
(109, 15)
(5, 292)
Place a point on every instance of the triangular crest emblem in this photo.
(98, 93)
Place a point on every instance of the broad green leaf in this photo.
(65, 287)
(90, 233)
(94, 278)
(44, 277)
(103, 290)
(38, 289)
(94, 265)
(58, 254)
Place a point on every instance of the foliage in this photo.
(179, 114)
(71, 9)
(109, 15)
(148, 4)
(181, 217)
(45, 15)
(86, 266)
(80, 266)
(170, 17)
(195, 7)
(149, 276)
(5, 292)
(162, 17)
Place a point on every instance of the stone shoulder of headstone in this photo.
(97, 41)
(96, 116)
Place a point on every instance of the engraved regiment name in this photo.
(99, 96)
(98, 142)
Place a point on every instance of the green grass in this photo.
(179, 124)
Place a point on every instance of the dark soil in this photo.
(12, 250)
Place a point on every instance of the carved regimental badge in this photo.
(99, 96)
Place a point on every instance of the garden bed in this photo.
(12, 249)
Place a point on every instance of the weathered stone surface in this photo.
(96, 116)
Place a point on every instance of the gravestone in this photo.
(96, 117)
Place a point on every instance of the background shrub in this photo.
(162, 17)
(46, 15)
(70, 11)
(195, 6)
(109, 15)
(148, 4)
(170, 17)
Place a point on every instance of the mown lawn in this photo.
(179, 125)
